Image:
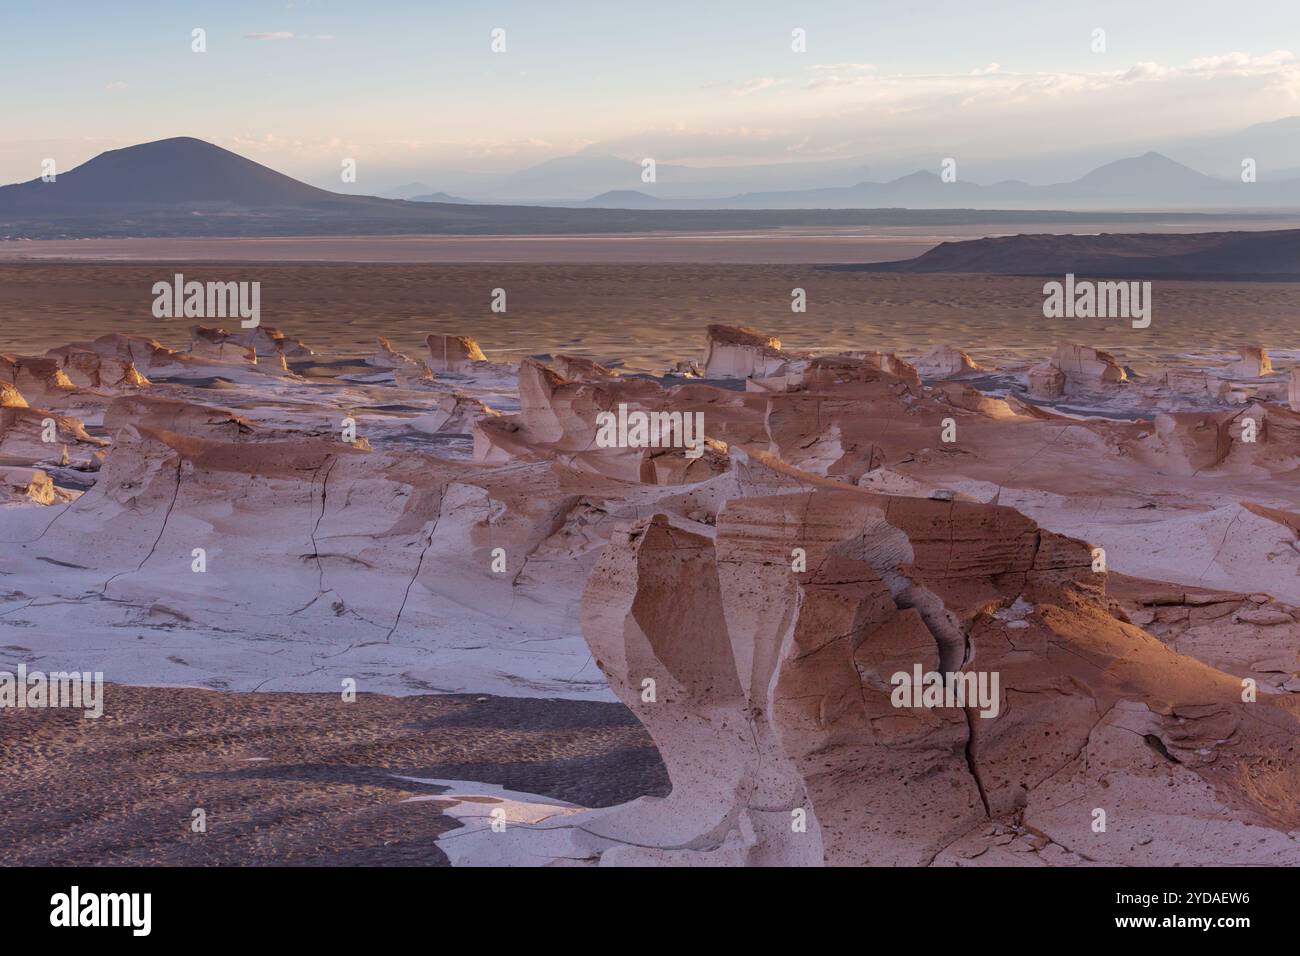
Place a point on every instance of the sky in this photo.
(410, 87)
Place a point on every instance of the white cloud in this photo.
(754, 86)
(1243, 64)
(859, 109)
(286, 35)
(841, 74)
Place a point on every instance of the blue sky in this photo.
(409, 85)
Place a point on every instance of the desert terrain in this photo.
(238, 527)
(643, 316)
(295, 779)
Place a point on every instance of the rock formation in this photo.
(10, 397)
(1122, 552)
(1253, 363)
(578, 367)
(40, 380)
(453, 353)
(945, 362)
(88, 367)
(407, 371)
(1086, 368)
(32, 484)
(741, 352)
(1046, 381)
(770, 688)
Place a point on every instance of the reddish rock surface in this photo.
(1123, 553)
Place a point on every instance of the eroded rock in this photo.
(741, 352)
(453, 353)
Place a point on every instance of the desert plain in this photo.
(918, 470)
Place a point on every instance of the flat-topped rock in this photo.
(741, 352)
(453, 353)
(944, 362)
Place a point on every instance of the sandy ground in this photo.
(789, 245)
(293, 779)
(647, 316)
(794, 246)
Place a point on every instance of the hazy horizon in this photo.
(412, 93)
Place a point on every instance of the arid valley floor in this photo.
(646, 317)
(919, 470)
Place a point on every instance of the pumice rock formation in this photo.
(1086, 369)
(559, 419)
(1121, 551)
(10, 397)
(741, 352)
(1046, 381)
(30, 483)
(1253, 363)
(768, 692)
(946, 362)
(578, 367)
(388, 358)
(260, 345)
(91, 368)
(39, 380)
(453, 353)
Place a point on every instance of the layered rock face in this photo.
(764, 660)
(1112, 571)
(741, 352)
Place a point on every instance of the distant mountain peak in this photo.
(442, 197)
(624, 199)
(175, 170)
(920, 176)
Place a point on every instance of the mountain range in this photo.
(185, 186)
(1211, 162)
(1151, 181)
